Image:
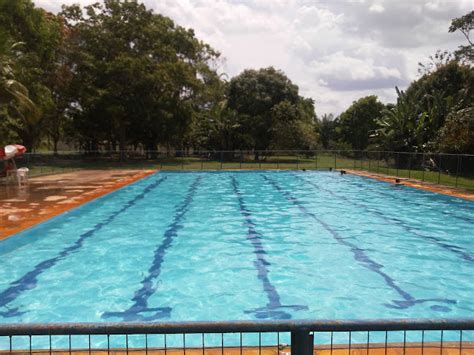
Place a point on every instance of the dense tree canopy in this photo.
(358, 122)
(273, 115)
(138, 77)
(116, 76)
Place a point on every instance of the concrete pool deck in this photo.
(48, 196)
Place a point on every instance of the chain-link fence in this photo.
(448, 169)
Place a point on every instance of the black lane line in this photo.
(140, 299)
(274, 308)
(459, 251)
(363, 259)
(29, 281)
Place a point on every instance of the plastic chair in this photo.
(22, 175)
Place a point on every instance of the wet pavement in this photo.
(47, 196)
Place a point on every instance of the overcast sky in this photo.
(335, 50)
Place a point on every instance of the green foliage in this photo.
(414, 122)
(18, 112)
(38, 33)
(465, 25)
(115, 75)
(457, 134)
(272, 114)
(326, 129)
(359, 121)
(139, 78)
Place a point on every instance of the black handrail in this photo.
(236, 327)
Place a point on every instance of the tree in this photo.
(326, 127)
(17, 110)
(449, 87)
(269, 105)
(293, 125)
(137, 76)
(359, 121)
(401, 127)
(37, 31)
(457, 134)
(465, 25)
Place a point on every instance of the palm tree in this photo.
(22, 115)
(403, 126)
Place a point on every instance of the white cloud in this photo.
(335, 51)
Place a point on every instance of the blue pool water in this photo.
(245, 245)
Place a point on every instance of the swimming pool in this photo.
(245, 245)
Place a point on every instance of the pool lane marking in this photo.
(418, 192)
(274, 308)
(363, 258)
(29, 280)
(140, 299)
(459, 251)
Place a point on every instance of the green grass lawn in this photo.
(283, 162)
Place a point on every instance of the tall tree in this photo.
(136, 73)
(464, 24)
(326, 127)
(268, 104)
(358, 122)
(38, 33)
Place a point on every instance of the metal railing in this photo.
(301, 337)
(448, 169)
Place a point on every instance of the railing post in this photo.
(398, 162)
(409, 165)
(457, 169)
(301, 343)
(378, 162)
(423, 167)
(439, 168)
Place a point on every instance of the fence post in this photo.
(241, 158)
(439, 168)
(457, 169)
(398, 162)
(316, 160)
(378, 162)
(222, 155)
(409, 165)
(335, 160)
(423, 167)
(301, 343)
(297, 161)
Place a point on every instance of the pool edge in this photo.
(416, 184)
